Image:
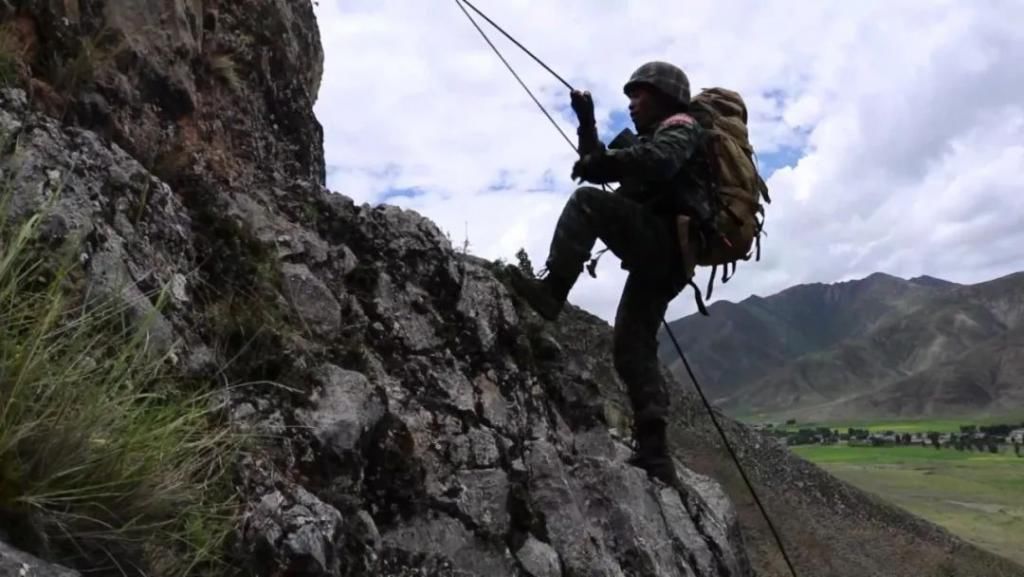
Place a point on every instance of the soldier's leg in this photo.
(641, 239)
(630, 231)
(641, 309)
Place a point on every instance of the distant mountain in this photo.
(987, 378)
(742, 342)
(933, 282)
(879, 346)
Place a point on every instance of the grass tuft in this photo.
(105, 464)
(69, 74)
(11, 55)
(223, 67)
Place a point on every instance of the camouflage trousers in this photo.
(648, 247)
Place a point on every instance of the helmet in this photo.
(666, 78)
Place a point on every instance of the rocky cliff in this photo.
(413, 418)
(420, 423)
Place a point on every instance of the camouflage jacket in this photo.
(662, 170)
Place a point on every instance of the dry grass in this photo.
(68, 75)
(223, 67)
(11, 55)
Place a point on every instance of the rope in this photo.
(516, 42)
(728, 446)
(510, 69)
(679, 350)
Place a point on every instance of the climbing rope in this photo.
(512, 70)
(668, 329)
(592, 265)
(728, 446)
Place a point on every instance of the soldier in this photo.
(659, 180)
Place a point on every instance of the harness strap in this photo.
(700, 301)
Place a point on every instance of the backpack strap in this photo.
(700, 301)
(711, 279)
(678, 119)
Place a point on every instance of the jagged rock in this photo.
(345, 404)
(362, 544)
(344, 259)
(551, 492)
(414, 325)
(683, 530)
(311, 299)
(295, 531)
(476, 449)
(395, 474)
(14, 563)
(257, 416)
(486, 302)
(456, 386)
(538, 558)
(446, 541)
(483, 448)
(484, 499)
(546, 347)
(493, 406)
(111, 279)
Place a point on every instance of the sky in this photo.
(891, 134)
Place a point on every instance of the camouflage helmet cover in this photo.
(667, 78)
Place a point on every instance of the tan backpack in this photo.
(737, 188)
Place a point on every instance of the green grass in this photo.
(978, 496)
(106, 462)
(901, 455)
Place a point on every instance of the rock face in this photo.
(427, 431)
(17, 563)
(425, 424)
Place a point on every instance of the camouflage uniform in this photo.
(637, 223)
(659, 180)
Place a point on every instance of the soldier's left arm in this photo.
(661, 157)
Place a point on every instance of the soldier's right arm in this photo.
(582, 104)
(589, 142)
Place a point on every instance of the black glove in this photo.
(583, 106)
(595, 167)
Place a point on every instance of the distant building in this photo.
(881, 440)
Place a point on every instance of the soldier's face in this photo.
(645, 108)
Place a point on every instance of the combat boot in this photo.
(547, 296)
(652, 451)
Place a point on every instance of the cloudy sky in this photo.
(891, 133)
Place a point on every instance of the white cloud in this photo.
(908, 117)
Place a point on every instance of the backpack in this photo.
(737, 188)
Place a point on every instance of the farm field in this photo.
(978, 496)
(951, 425)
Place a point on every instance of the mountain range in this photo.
(877, 347)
